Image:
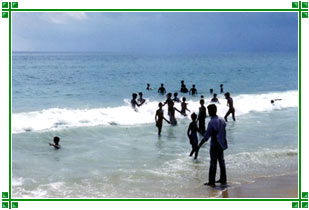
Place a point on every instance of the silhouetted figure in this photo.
(56, 141)
(215, 130)
(192, 134)
(183, 88)
(161, 89)
(273, 101)
(159, 117)
(169, 102)
(230, 105)
(176, 99)
(140, 99)
(221, 88)
(215, 99)
(201, 117)
(184, 107)
(193, 90)
(211, 91)
(171, 111)
(202, 96)
(134, 102)
(182, 85)
(148, 87)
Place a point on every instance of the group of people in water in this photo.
(170, 102)
(215, 129)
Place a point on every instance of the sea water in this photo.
(111, 151)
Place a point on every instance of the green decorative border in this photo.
(9, 7)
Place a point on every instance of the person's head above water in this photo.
(56, 140)
(175, 94)
(193, 116)
(221, 85)
(215, 95)
(148, 84)
(140, 94)
(184, 99)
(212, 110)
(202, 96)
(193, 85)
(202, 102)
(168, 95)
(162, 84)
(272, 101)
(182, 82)
(134, 95)
(160, 105)
(227, 95)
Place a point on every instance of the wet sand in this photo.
(285, 186)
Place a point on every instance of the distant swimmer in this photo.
(201, 117)
(159, 117)
(193, 90)
(148, 87)
(56, 141)
(230, 105)
(215, 99)
(176, 99)
(273, 100)
(202, 96)
(221, 88)
(184, 107)
(161, 89)
(183, 88)
(141, 100)
(134, 102)
(171, 111)
(211, 90)
(182, 85)
(192, 135)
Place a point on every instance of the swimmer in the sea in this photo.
(56, 141)
(215, 99)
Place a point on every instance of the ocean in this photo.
(111, 151)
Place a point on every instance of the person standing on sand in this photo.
(215, 130)
(231, 107)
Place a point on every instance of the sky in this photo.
(156, 32)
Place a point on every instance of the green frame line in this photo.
(10, 105)
(158, 199)
(299, 105)
(10, 10)
(155, 10)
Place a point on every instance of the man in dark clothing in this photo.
(215, 130)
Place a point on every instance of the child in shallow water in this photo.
(192, 134)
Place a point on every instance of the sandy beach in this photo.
(285, 186)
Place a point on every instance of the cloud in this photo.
(63, 18)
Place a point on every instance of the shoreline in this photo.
(282, 186)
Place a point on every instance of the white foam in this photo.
(56, 118)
